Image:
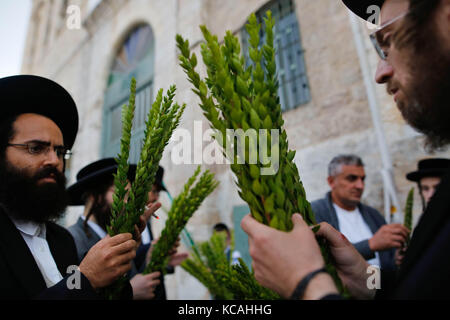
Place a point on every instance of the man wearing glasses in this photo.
(413, 43)
(38, 259)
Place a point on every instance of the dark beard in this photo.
(26, 200)
(428, 106)
(102, 213)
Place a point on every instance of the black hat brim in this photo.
(158, 177)
(417, 175)
(33, 94)
(77, 190)
(360, 7)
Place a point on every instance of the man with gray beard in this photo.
(413, 43)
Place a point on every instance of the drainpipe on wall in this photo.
(389, 188)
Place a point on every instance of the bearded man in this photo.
(38, 126)
(413, 43)
(94, 189)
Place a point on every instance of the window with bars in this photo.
(134, 59)
(291, 69)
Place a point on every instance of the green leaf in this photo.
(257, 188)
(254, 171)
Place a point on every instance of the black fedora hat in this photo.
(360, 7)
(90, 174)
(33, 94)
(436, 167)
(158, 177)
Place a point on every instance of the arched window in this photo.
(134, 59)
(293, 80)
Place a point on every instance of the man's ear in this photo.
(330, 181)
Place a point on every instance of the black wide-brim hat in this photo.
(90, 174)
(98, 170)
(436, 167)
(33, 94)
(158, 177)
(360, 7)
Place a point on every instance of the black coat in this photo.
(424, 273)
(20, 277)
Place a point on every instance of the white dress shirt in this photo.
(353, 226)
(34, 235)
(145, 236)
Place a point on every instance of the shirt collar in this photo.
(30, 228)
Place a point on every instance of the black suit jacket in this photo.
(424, 273)
(20, 277)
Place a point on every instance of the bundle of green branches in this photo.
(409, 212)
(234, 96)
(224, 280)
(162, 120)
(182, 209)
(204, 263)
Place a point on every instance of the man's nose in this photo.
(52, 158)
(359, 183)
(384, 72)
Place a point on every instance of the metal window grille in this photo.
(134, 59)
(291, 69)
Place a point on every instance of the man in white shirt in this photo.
(364, 226)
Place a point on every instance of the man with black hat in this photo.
(38, 126)
(94, 189)
(413, 43)
(428, 177)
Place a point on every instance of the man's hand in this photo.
(144, 285)
(108, 259)
(143, 219)
(389, 236)
(282, 259)
(177, 258)
(350, 265)
(150, 209)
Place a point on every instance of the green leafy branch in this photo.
(162, 120)
(234, 96)
(183, 207)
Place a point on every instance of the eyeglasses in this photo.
(42, 147)
(381, 44)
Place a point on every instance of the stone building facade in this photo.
(335, 118)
